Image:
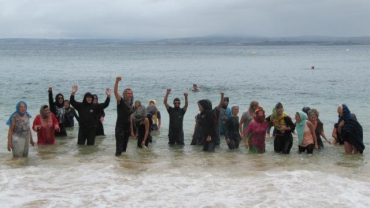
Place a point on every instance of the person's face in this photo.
(60, 99)
(128, 94)
(137, 104)
(177, 103)
(22, 108)
(46, 111)
(313, 118)
(151, 103)
(226, 102)
(95, 100)
(280, 110)
(235, 111)
(297, 118)
(340, 110)
(88, 99)
(66, 104)
(200, 107)
(195, 87)
(260, 113)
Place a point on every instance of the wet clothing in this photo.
(175, 132)
(99, 126)
(232, 132)
(123, 129)
(21, 136)
(256, 133)
(46, 134)
(318, 130)
(88, 119)
(141, 135)
(198, 133)
(69, 117)
(59, 112)
(156, 118)
(223, 114)
(247, 119)
(283, 140)
(207, 122)
(309, 148)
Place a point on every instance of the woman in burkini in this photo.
(232, 133)
(152, 109)
(140, 120)
(313, 117)
(283, 128)
(256, 132)
(19, 135)
(57, 107)
(350, 130)
(45, 124)
(207, 122)
(306, 133)
(247, 117)
(70, 113)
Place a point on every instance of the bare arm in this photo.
(116, 93)
(166, 98)
(221, 101)
(186, 101)
(312, 129)
(10, 133)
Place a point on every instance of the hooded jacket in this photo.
(88, 112)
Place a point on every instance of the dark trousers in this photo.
(283, 143)
(86, 134)
(209, 146)
(122, 136)
(176, 137)
(309, 148)
(234, 143)
(62, 131)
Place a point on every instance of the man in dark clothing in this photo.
(57, 107)
(88, 115)
(124, 111)
(175, 131)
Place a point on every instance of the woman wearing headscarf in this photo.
(152, 108)
(45, 124)
(306, 133)
(19, 135)
(247, 117)
(232, 133)
(140, 119)
(283, 128)
(207, 122)
(57, 107)
(70, 115)
(256, 132)
(313, 117)
(350, 130)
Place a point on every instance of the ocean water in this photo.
(67, 175)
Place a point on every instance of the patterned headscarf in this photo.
(278, 120)
(18, 111)
(259, 118)
(300, 126)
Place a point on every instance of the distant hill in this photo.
(207, 40)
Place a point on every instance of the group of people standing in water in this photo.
(134, 120)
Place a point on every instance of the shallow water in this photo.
(67, 175)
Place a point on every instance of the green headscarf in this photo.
(300, 126)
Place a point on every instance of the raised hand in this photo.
(74, 89)
(118, 79)
(107, 91)
(168, 91)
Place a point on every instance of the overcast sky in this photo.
(129, 19)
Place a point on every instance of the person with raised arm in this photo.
(88, 115)
(175, 130)
(124, 111)
(57, 108)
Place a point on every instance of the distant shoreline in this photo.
(197, 41)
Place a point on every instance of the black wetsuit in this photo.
(141, 135)
(198, 133)
(122, 130)
(100, 127)
(59, 112)
(88, 119)
(175, 132)
(283, 141)
(231, 128)
(68, 119)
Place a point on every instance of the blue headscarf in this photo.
(300, 126)
(18, 111)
